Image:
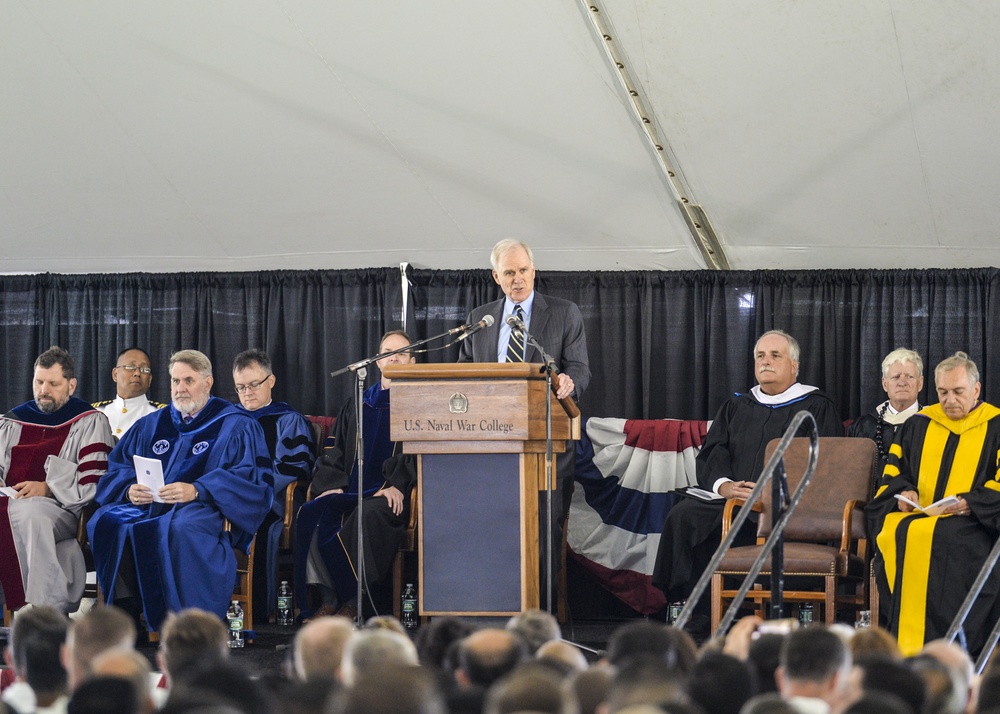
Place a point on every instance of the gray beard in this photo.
(49, 407)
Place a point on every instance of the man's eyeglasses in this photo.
(252, 387)
(132, 368)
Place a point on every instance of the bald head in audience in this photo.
(99, 630)
(487, 655)
(958, 662)
(319, 648)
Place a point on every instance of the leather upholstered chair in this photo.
(825, 540)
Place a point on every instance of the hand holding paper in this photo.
(149, 473)
(934, 509)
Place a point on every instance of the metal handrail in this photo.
(958, 624)
(777, 526)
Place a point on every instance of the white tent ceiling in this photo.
(261, 134)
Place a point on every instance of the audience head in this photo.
(526, 689)
(105, 695)
(879, 703)
(253, 378)
(131, 666)
(190, 381)
(945, 694)
(319, 647)
(873, 642)
(769, 703)
(369, 651)
(435, 638)
(54, 381)
(814, 663)
(988, 698)
(189, 638)
(536, 627)
(394, 690)
(591, 687)
(487, 655)
(764, 657)
(226, 683)
(685, 647)
(100, 629)
(385, 622)
(513, 269)
(776, 361)
(721, 684)
(957, 382)
(902, 377)
(393, 340)
(132, 373)
(299, 697)
(645, 679)
(893, 677)
(642, 638)
(36, 641)
(562, 653)
(956, 659)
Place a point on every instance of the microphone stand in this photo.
(550, 370)
(360, 369)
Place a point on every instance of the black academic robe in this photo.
(332, 520)
(872, 426)
(927, 564)
(734, 449)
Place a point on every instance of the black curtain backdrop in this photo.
(662, 344)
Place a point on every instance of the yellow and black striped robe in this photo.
(928, 563)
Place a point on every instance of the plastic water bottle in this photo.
(674, 611)
(284, 603)
(806, 614)
(235, 618)
(409, 607)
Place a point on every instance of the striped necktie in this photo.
(515, 345)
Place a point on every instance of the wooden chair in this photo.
(825, 538)
(243, 590)
(408, 544)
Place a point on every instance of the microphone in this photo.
(516, 323)
(476, 327)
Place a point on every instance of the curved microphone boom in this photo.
(475, 327)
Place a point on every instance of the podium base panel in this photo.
(472, 532)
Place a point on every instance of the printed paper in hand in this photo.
(935, 509)
(8, 492)
(149, 472)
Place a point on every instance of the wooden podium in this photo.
(479, 432)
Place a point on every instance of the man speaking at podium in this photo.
(557, 325)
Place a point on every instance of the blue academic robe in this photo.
(289, 441)
(183, 557)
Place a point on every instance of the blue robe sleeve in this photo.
(293, 452)
(235, 483)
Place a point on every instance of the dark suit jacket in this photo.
(557, 325)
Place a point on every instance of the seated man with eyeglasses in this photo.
(291, 447)
(133, 376)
